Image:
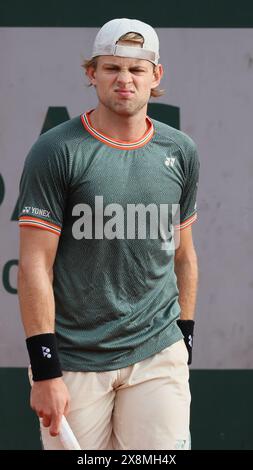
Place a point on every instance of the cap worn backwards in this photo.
(106, 40)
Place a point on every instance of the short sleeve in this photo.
(188, 200)
(43, 187)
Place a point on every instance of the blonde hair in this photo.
(134, 37)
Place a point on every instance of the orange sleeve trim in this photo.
(28, 217)
(39, 223)
(188, 222)
(39, 227)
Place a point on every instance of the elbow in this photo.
(25, 273)
(28, 270)
(188, 256)
(187, 262)
(192, 257)
(22, 271)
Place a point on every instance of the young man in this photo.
(99, 296)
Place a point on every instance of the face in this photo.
(124, 84)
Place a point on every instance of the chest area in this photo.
(153, 176)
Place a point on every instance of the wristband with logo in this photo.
(187, 327)
(43, 355)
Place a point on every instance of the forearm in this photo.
(186, 269)
(49, 394)
(36, 300)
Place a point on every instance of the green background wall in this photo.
(162, 13)
(222, 412)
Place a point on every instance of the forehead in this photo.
(123, 61)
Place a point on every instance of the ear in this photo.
(157, 75)
(91, 74)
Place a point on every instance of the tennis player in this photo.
(108, 311)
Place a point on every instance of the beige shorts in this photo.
(142, 406)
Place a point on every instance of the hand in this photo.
(187, 326)
(50, 400)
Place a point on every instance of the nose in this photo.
(124, 77)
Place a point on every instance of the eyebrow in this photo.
(116, 65)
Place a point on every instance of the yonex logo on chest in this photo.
(170, 161)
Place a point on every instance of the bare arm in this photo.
(186, 269)
(35, 274)
(49, 398)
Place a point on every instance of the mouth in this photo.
(124, 93)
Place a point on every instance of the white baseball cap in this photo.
(106, 40)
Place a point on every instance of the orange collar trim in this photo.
(85, 118)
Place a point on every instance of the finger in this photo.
(46, 421)
(55, 425)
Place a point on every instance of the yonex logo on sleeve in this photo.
(36, 211)
(46, 352)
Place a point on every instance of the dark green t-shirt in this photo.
(116, 295)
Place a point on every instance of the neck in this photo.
(119, 127)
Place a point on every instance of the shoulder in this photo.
(165, 133)
(58, 143)
(67, 133)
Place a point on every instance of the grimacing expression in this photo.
(124, 84)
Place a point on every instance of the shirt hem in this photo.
(130, 360)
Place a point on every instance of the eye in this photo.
(111, 68)
(137, 70)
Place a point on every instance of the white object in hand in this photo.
(67, 436)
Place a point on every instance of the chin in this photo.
(125, 112)
(127, 109)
